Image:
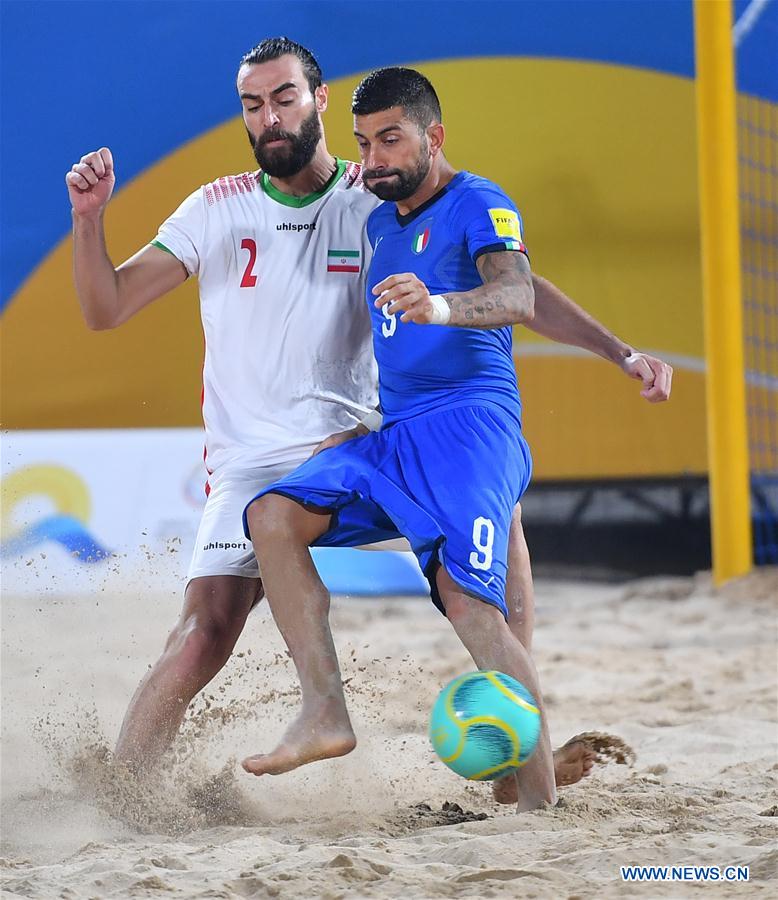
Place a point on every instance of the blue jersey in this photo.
(425, 367)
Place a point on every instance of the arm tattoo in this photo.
(505, 298)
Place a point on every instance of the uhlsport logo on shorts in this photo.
(65, 525)
(226, 545)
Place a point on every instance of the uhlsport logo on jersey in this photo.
(66, 524)
(296, 226)
(507, 227)
(422, 237)
(344, 260)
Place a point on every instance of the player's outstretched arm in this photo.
(505, 298)
(109, 296)
(561, 319)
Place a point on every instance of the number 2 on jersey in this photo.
(481, 557)
(249, 278)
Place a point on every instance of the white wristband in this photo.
(441, 311)
(373, 420)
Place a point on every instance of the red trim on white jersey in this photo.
(230, 186)
(353, 174)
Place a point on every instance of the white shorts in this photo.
(221, 548)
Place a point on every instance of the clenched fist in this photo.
(90, 182)
(406, 294)
(656, 375)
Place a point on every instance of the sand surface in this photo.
(684, 674)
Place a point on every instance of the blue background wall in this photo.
(66, 67)
(583, 111)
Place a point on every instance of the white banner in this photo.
(83, 509)
(81, 506)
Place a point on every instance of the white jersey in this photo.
(288, 348)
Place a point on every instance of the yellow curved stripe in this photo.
(465, 724)
(457, 753)
(491, 676)
(68, 493)
(489, 773)
(452, 715)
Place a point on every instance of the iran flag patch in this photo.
(344, 260)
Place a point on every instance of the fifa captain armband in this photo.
(441, 311)
(373, 420)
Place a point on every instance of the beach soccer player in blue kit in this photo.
(449, 276)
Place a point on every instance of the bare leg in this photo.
(575, 759)
(214, 613)
(282, 532)
(484, 632)
(519, 589)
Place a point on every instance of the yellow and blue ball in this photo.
(484, 725)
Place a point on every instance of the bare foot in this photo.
(319, 734)
(572, 762)
(606, 747)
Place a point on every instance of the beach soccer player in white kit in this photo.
(280, 255)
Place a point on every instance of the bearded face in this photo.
(283, 154)
(397, 183)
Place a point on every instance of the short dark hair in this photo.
(397, 86)
(273, 48)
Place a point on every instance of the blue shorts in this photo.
(447, 480)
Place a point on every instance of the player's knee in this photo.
(276, 519)
(199, 644)
(460, 608)
(269, 518)
(465, 612)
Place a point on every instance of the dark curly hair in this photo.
(273, 48)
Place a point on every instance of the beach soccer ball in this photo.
(484, 725)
